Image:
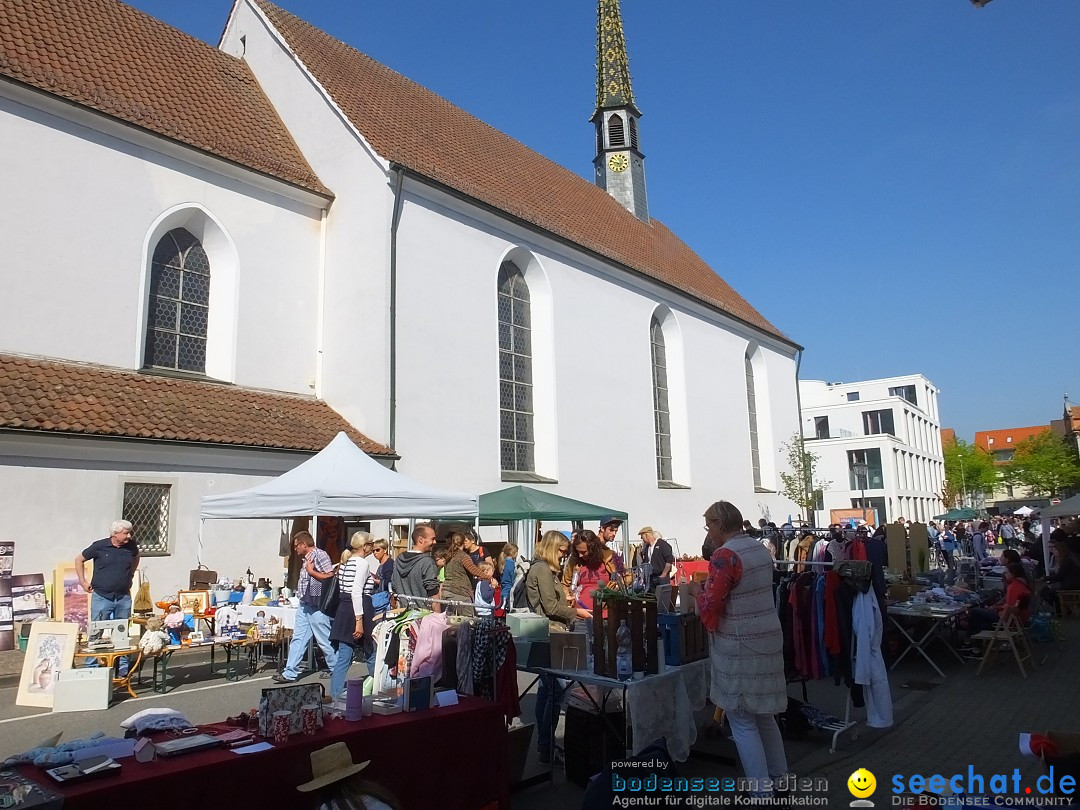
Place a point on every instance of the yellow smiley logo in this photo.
(861, 783)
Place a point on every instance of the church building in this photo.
(214, 259)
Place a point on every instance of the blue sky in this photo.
(895, 185)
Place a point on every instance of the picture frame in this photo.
(196, 637)
(70, 602)
(194, 602)
(49, 651)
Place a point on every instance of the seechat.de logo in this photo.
(862, 784)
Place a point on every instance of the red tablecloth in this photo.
(418, 757)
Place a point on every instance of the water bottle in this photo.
(624, 667)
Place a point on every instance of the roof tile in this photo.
(117, 60)
(410, 125)
(49, 395)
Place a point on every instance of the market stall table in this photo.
(234, 666)
(285, 615)
(400, 747)
(661, 705)
(940, 617)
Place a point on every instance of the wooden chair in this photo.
(1068, 603)
(1007, 632)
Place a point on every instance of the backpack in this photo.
(516, 598)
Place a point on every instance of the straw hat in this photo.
(331, 764)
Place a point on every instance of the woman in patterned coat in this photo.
(746, 649)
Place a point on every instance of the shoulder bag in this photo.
(330, 595)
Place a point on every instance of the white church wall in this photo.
(60, 494)
(76, 272)
(602, 436)
(353, 377)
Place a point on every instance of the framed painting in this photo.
(70, 602)
(196, 602)
(28, 597)
(49, 651)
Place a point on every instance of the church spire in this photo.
(619, 162)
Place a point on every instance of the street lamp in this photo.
(861, 470)
(963, 482)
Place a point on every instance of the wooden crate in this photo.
(685, 638)
(639, 612)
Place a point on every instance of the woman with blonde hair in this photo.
(545, 594)
(347, 631)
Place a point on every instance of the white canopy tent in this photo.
(1023, 511)
(341, 481)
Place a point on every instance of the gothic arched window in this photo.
(616, 132)
(751, 408)
(661, 404)
(516, 449)
(179, 304)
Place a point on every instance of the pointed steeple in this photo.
(619, 162)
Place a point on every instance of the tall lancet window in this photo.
(661, 404)
(616, 131)
(751, 409)
(179, 307)
(515, 372)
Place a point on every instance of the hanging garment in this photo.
(819, 612)
(870, 669)
(427, 660)
(464, 658)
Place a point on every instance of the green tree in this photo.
(1044, 464)
(799, 484)
(970, 475)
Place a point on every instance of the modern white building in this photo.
(893, 427)
(215, 258)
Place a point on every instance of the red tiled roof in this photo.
(119, 61)
(1007, 438)
(409, 125)
(948, 437)
(53, 396)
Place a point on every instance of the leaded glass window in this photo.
(751, 407)
(179, 304)
(146, 506)
(661, 406)
(515, 372)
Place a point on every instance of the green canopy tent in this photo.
(958, 514)
(520, 503)
(526, 503)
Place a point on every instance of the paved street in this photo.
(941, 727)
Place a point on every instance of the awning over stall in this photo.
(343, 481)
(526, 503)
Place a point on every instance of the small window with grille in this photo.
(633, 133)
(147, 506)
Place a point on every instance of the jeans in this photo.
(103, 608)
(310, 622)
(340, 669)
(760, 747)
(548, 706)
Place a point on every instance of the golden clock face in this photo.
(618, 163)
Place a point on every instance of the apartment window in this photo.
(751, 408)
(989, 441)
(661, 406)
(873, 479)
(515, 372)
(821, 427)
(1004, 455)
(147, 507)
(904, 392)
(853, 396)
(179, 307)
(875, 422)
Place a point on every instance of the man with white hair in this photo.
(116, 558)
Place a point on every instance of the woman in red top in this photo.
(1017, 599)
(585, 571)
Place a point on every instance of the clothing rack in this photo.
(840, 726)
